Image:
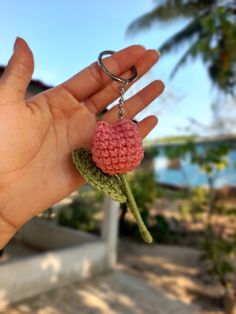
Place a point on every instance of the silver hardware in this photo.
(121, 105)
(122, 82)
(116, 78)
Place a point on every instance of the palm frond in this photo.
(187, 33)
(143, 22)
(184, 58)
(168, 11)
(172, 9)
(210, 33)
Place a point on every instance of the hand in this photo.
(37, 135)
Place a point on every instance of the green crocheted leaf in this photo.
(110, 185)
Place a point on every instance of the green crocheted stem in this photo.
(134, 209)
(110, 185)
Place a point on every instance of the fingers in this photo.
(146, 125)
(92, 78)
(7, 232)
(137, 102)
(109, 93)
(19, 70)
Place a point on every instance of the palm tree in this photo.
(209, 33)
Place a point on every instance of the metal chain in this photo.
(122, 86)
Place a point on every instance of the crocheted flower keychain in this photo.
(116, 150)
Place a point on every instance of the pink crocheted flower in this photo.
(117, 148)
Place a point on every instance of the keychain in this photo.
(116, 150)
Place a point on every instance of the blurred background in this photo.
(186, 185)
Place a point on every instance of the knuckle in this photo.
(95, 73)
(114, 89)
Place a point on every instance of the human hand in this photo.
(37, 135)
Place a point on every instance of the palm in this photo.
(38, 135)
(37, 145)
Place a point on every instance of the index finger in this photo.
(93, 78)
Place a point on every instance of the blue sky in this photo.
(66, 36)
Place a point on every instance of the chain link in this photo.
(122, 86)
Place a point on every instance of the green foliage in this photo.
(99, 196)
(231, 212)
(176, 139)
(151, 151)
(185, 210)
(212, 159)
(196, 205)
(144, 188)
(161, 230)
(77, 215)
(145, 191)
(199, 196)
(179, 151)
(218, 251)
(90, 196)
(210, 33)
(171, 194)
(219, 255)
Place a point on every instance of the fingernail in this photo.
(16, 42)
(158, 53)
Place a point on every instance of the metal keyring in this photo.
(117, 78)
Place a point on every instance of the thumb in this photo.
(18, 73)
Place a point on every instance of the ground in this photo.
(152, 279)
(174, 270)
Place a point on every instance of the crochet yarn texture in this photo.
(117, 148)
(110, 185)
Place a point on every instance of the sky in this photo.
(67, 35)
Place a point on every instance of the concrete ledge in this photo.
(49, 236)
(28, 277)
(72, 255)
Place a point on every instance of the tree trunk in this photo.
(210, 201)
(229, 301)
(122, 219)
